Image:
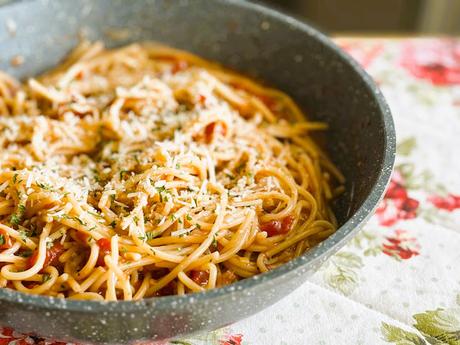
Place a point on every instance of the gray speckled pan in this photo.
(252, 39)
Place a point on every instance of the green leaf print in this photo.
(368, 242)
(340, 272)
(217, 337)
(406, 146)
(399, 336)
(422, 180)
(440, 326)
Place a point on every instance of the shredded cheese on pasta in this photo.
(147, 171)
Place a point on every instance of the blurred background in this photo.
(384, 17)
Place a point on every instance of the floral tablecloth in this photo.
(398, 281)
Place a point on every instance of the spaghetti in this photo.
(147, 171)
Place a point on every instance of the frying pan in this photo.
(280, 50)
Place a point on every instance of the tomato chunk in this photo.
(277, 227)
(5, 240)
(178, 66)
(200, 277)
(52, 256)
(228, 277)
(159, 273)
(167, 290)
(202, 99)
(82, 237)
(213, 129)
(104, 249)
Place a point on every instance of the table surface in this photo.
(398, 281)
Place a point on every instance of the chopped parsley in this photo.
(148, 236)
(95, 214)
(188, 217)
(162, 192)
(44, 186)
(15, 219)
(45, 277)
(2, 240)
(214, 240)
(15, 178)
(113, 224)
(79, 220)
(198, 226)
(96, 176)
(136, 220)
(122, 172)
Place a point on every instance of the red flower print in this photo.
(9, 337)
(435, 60)
(234, 339)
(400, 245)
(365, 54)
(396, 190)
(448, 203)
(397, 205)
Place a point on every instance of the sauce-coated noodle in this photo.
(147, 171)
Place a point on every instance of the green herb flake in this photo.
(2, 239)
(44, 186)
(79, 220)
(122, 172)
(198, 226)
(95, 214)
(189, 218)
(15, 219)
(45, 277)
(113, 224)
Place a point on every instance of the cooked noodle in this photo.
(147, 171)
